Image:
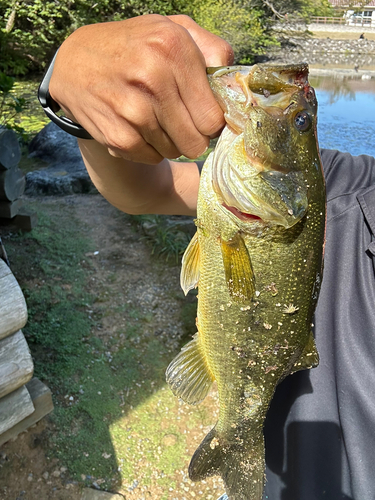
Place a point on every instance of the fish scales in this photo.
(257, 261)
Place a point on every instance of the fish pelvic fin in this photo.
(190, 265)
(309, 357)
(238, 268)
(188, 375)
(241, 468)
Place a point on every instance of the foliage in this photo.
(10, 104)
(311, 8)
(32, 30)
(294, 10)
(31, 119)
(165, 236)
(245, 28)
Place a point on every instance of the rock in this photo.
(53, 145)
(65, 173)
(90, 494)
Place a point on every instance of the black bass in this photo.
(257, 259)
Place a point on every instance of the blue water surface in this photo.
(347, 122)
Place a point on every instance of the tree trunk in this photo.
(15, 407)
(42, 400)
(12, 184)
(13, 311)
(9, 209)
(10, 152)
(16, 364)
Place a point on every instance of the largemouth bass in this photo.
(257, 260)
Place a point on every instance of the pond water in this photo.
(346, 114)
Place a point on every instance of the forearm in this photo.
(136, 188)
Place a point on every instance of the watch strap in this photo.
(51, 107)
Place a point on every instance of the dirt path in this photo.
(123, 273)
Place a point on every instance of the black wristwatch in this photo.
(51, 107)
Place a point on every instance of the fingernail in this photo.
(114, 153)
(203, 152)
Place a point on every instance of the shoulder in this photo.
(346, 174)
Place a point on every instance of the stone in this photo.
(324, 51)
(52, 144)
(90, 494)
(66, 173)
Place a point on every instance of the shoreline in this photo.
(345, 58)
(341, 73)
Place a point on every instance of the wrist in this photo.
(51, 107)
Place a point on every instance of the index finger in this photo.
(192, 80)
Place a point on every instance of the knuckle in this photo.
(132, 147)
(127, 143)
(168, 41)
(148, 81)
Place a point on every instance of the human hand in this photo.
(139, 86)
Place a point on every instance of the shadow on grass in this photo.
(109, 394)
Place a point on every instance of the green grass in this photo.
(163, 238)
(47, 261)
(101, 387)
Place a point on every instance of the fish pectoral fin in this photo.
(190, 265)
(188, 375)
(239, 272)
(309, 357)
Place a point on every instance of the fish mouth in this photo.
(243, 216)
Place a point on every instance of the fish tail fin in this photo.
(242, 470)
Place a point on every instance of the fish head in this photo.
(267, 158)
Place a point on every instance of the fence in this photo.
(352, 21)
(328, 20)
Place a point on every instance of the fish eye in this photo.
(302, 121)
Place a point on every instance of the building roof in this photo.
(345, 3)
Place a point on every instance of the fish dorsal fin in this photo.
(239, 272)
(309, 357)
(190, 265)
(188, 375)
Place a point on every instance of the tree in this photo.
(32, 30)
(246, 29)
(295, 9)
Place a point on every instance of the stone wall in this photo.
(339, 28)
(355, 54)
